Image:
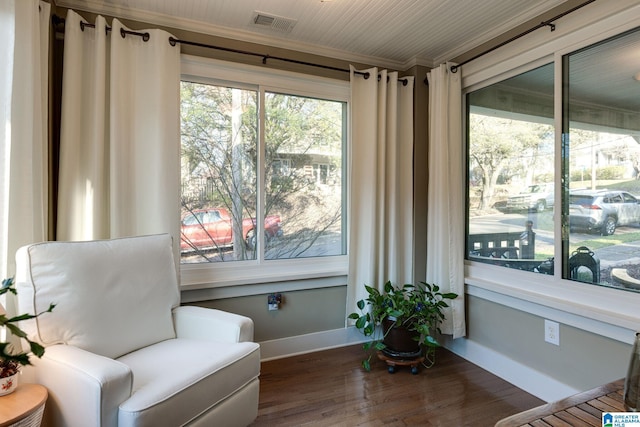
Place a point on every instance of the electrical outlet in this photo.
(552, 332)
(274, 301)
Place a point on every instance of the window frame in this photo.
(199, 276)
(602, 310)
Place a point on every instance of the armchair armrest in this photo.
(98, 386)
(210, 324)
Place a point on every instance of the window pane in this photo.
(601, 127)
(305, 140)
(511, 172)
(219, 146)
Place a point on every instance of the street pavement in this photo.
(625, 253)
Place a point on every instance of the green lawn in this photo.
(631, 185)
(600, 242)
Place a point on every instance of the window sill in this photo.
(598, 309)
(206, 275)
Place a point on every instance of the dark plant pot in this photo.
(399, 341)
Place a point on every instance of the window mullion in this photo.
(261, 155)
(560, 158)
(561, 99)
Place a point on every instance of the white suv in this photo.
(537, 197)
(602, 210)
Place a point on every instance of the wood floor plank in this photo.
(585, 416)
(617, 404)
(591, 410)
(554, 421)
(572, 420)
(330, 388)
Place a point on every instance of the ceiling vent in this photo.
(273, 22)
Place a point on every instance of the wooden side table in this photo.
(24, 407)
(582, 409)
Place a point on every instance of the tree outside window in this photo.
(224, 153)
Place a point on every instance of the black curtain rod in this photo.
(173, 41)
(548, 23)
(123, 32)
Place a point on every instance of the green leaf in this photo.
(36, 349)
(380, 345)
(371, 291)
(360, 304)
(15, 330)
(361, 322)
(369, 329)
(366, 365)
(430, 341)
(396, 313)
(388, 287)
(354, 316)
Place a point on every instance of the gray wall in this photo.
(302, 312)
(583, 360)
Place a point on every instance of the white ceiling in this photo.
(392, 33)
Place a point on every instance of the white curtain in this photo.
(445, 218)
(24, 31)
(381, 182)
(120, 140)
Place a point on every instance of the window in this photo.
(601, 146)
(247, 195)
(511, 191)
(553, 200)
(281, 167)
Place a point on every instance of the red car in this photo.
(211, 228)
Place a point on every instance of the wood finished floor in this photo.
(329, 388)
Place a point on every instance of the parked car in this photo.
(602, 210)
(211, 228)
(537, 198)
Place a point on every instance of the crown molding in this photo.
(230, 33)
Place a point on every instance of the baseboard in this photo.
(308, 343)
(522, 376)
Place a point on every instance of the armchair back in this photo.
(112, 296)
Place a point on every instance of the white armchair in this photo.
(120, 351)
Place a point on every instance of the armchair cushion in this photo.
(107, 304)
(176, 380)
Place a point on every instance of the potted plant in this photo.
(390, 318)
(10, 360)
